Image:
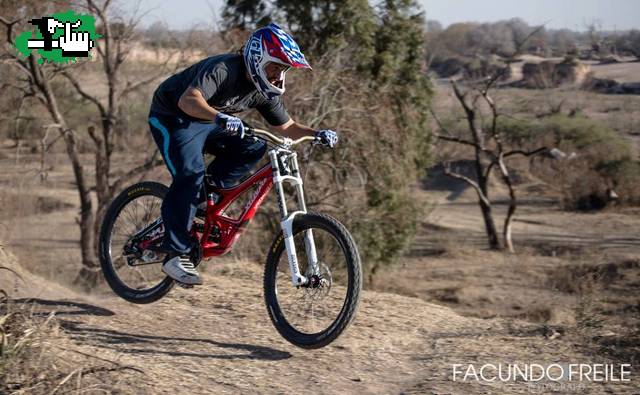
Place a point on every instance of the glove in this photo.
(327, 137)
(231, 124)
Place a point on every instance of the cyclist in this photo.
(193, 109)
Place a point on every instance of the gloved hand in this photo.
(231, 124)
(327, 137)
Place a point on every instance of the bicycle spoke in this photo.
(135, 216)
(310, 310)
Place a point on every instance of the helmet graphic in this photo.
(271, 44)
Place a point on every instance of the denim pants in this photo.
(181, 142)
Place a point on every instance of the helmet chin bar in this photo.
(279, 84)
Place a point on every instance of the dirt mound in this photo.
(471, 67)
(19, 283)
(550, 74)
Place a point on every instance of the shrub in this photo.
(368, 83)
(625, 178)
(598, 159)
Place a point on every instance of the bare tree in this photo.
(113, 49)
(490, 151)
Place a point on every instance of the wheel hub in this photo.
(315, 281)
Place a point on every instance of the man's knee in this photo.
(254, 150)
(191, 180)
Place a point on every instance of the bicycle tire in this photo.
(140, 296)
(347, 313)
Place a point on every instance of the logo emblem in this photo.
(59, 38)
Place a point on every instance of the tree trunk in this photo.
(103, 190)
(485, 204)
(88, 274)
(506, 178)
(508, 243)
(490, 225)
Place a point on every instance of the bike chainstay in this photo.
(145, 239)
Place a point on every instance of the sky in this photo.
(557, 14)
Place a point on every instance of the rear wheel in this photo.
(314, 315)
(130, 236)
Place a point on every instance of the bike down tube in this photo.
(297, 279)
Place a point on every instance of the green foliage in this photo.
(589, 137)
(568, 133)
(368, 83)
(625, 179)
(320, 25)
(245, 14)
(600, 159)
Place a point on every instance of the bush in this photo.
(625, 179)
(367, 182)
(368, 83)
(598, 159)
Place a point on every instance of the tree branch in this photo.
(459, 141)
(526, 153)
(511, 59)
(481, 195)
(76, 84)
(512, 153)
(152, 162)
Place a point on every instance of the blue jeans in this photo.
(182, 142)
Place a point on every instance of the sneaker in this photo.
(181, 269)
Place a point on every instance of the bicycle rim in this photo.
(312, 310)
(140, 271)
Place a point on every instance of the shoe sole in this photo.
(180, 282)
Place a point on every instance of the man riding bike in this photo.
(192, 110)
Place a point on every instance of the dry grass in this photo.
(19, 204)
(38, 357)
(26, 361)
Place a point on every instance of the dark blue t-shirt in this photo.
(223, 82)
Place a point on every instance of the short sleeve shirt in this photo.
(223, 82)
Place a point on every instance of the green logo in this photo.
(59, 38)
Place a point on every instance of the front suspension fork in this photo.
(297, 278)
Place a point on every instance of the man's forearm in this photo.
(193, 104)
(295, 130)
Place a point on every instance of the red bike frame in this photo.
(231, 228)
(220, 231)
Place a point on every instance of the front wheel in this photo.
(314, 315)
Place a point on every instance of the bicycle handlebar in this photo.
(280, 140)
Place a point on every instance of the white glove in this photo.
(230, 123)
(327, 137)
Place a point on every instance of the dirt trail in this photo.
(538, 220)
(218, 339)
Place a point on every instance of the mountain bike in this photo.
(312, 277)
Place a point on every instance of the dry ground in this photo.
(571, 293)
(216, 339)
